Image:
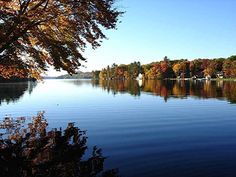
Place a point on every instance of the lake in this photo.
(145, 129)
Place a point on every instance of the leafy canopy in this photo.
(37, 33)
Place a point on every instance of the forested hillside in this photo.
(183, 68)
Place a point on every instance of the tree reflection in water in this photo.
(32, 151)
(119, 86)
(11, 92)
(173, 88)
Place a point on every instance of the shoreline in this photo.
(203, 79)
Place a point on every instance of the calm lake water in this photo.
(150, 129)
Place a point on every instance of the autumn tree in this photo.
(229, 68)
(121, 71)
(37, 33)
(210, 69)
(219, 64)
(192, 68)
(173, 68)
(166, 69)
(103, 74)
(198, 71)
(177, 69)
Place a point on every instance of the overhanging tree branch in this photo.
(62, 29)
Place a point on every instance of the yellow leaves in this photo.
(11, 6)
(33, 41)
(43, 27)
(176, 68)
(34, 73)
(8, 72)
(11, 71)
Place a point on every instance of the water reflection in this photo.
(119, 86)
(11, 92)
(173, 89)
(78, 82)
(30, 151)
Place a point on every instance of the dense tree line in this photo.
(183, 68)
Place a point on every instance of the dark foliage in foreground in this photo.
(35, 152)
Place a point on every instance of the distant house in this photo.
(208, 77)
(194, 77)
(220, 75)
(140, 77)
(182, 75)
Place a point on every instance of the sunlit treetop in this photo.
(37, 33)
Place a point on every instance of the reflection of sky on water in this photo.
(135, 131)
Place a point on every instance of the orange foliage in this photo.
(37, 33)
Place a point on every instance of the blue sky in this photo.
(152, 29)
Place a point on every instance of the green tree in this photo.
(95, 74)
(232, 58)
(134, 69)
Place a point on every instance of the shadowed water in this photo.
(12, 92)
(153, 128)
